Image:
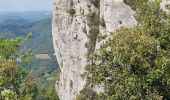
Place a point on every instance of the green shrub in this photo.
(90, 15)
(134, 4)
(87, 94)
(58, 75)
(131, 3)
(50, 93)
(101, 37)
(131, 66)
(96, 3)
(93, 35)
(102, 22)
(71, 11)
(167, 6)
(93, 19)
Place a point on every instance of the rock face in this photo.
(69, 43)
(70, 35)
(163, 5)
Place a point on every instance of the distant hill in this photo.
(30, 16)
(41, 41)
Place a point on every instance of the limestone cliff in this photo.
(72, 33)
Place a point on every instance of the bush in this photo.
(167, 6)
(71, 11)
(93, 19)
(102, 22)
(96, 3)
(58, 75)
(101, 37)
(93, 35)
(50, 93)
(87, 94)
(131, 66)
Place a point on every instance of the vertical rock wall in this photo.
(69, 43)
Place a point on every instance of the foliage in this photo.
(93, 33)
(93, 22)
(71, 11)
(58, 75)
(101, 37)
(167, 6)
(29, 88)
(49, 93)
(12, 76)
(87, 94)
(96, 3)
(93, 18)
(131, 66)
(135, 63)
(102, 22)
(134, 4)
(155, 22)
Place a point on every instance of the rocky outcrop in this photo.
(70, 30)
(115, 15)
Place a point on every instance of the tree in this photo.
(135, 63)
(13, 58)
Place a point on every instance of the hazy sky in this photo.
(25, 5)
